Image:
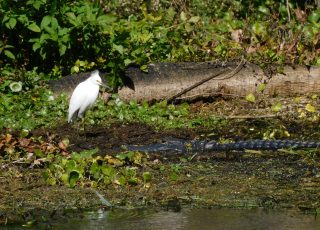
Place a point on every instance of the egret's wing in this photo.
(91, 97)
(78, 97)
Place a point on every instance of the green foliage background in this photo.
(114, 34)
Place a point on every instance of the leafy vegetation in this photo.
(82, 168)
(112, 35)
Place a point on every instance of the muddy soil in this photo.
(280, 179)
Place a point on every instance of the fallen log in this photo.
(166, 80)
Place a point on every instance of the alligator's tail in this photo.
(255, 145)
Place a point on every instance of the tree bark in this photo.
(165, 80)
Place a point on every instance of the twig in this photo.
(210, 95)
(288, 10)
(235, 71)
(251, 117)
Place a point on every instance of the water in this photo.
(188, 219)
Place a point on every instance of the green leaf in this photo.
(194, 19)
(71, 165)
(188, 27)
(108, 171)
(144, 68)
(133, 181)
(259, 28)
(5, 18)
(106, 19)
(36, 3)
(9, 54)
(73, 19)
(314, 17)
(261, 87)
(43, 37)
(51, 181)
(122, 156)
(122, 180)
(314, 96)
(23, 19)
(146, 176)
(127, 62)
(11, 23)
(276, 107)
(62, 49)
(65, 178)
(264, 9)
(310, 108)
(39, 153)
(75, 69)
(16, 86)
(74, 176)
(52, 32)
(54, 23)
(36, 46)
(183, 16)
(46, 20)
(251, 98)
(118, 48)
(33, 27)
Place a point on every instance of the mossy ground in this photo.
(271, 179)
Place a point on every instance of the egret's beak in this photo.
(105, 86)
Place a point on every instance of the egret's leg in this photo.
(83, 124)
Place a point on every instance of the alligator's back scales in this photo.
(261, 145)
(179, 145)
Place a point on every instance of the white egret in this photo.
(84, 95)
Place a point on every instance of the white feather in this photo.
(84, 96)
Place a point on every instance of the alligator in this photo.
(198, 146)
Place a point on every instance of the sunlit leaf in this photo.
(118, 48)
(72, 19)
(251, 98)
(9, 54)
(183, 16)
(276, 107)
(46, 20)
(62, 49)
(261, 87)
(194, 19)
(16, 86)
(264, 9)
(33, 27)
(259, 28)
(11, 23)
(314, 17)
(310, 108)
(314, 97)
(106, 19)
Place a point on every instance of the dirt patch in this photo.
(108, 139)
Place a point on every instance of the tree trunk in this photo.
(165, 80)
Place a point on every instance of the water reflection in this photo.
(188, 219)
